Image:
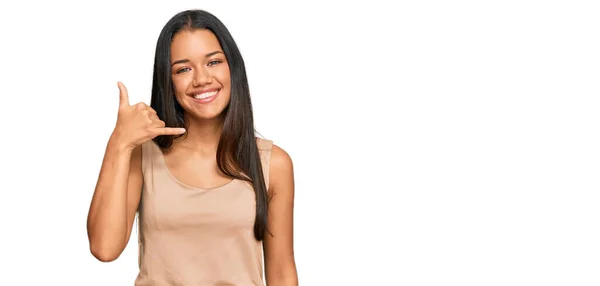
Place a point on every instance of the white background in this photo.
(434, 142)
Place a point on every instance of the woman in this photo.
(211, 197)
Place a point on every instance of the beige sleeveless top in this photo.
(197, 237)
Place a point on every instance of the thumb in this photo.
(123, 95)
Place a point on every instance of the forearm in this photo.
(107, 218)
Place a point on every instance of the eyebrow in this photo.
(187, 61)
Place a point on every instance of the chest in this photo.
(190, 194)
(200, 172)
(229, 207)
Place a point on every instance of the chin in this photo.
(207, 116)
(212, 111)
(217, 113)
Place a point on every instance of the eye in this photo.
(183, 70)
(214, 62)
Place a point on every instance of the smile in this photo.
(206, 97)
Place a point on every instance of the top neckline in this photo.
(164, 163)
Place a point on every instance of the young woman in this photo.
(211, 197)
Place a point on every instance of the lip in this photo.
(208, 99)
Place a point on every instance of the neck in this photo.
(201, 135)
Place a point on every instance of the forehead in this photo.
(189, 44)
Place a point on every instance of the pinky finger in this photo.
(170, 131)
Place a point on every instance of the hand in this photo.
(138, 123)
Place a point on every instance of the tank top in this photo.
(190, 236)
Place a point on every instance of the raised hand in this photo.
(138, 123)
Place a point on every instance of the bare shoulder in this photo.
(281, 169)
(280, 158)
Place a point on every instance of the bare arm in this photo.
(115, 201)
(117, 194)
(280, 265)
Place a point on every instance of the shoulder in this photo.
(279, 158)
(264, 144)
(281, 170)
(280, 166)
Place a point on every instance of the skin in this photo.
(198, 64)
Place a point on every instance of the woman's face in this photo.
(200, 74)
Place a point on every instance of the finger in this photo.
(170, 131)
(151, 110)
(123, 95)
(153, 117)
(141, 106)
(157, 123)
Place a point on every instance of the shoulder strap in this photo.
(147, 154)
(264, 149)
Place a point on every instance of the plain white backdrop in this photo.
(434, 142)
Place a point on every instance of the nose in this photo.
(202, 77)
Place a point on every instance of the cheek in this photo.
(180, 85)
(224, 77)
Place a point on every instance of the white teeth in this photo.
(205, 95)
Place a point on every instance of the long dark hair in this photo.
(237, 152)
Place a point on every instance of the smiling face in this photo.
(200, 74)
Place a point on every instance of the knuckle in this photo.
(149, 132)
